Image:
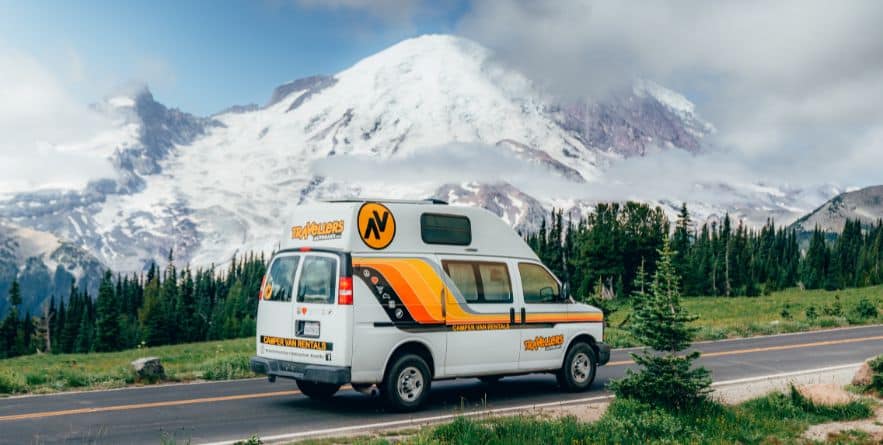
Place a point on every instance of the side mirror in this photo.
(565, 294)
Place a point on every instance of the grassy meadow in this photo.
(45, 373)
(779, 312)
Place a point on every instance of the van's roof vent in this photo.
(395, 201)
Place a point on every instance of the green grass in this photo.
(776, 418)
(216, 360)
(722, 317)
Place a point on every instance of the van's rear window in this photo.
(445, 229)
(280, 278)
(318, 278)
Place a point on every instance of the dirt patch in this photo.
(864, 375)
(583, 413)
(872, 426)
(827, 394)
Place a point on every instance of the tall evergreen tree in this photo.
(107, 313)
(660, 322)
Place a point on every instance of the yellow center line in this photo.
(100, 409)
(771, 348)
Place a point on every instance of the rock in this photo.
(863, 375)
(149, 368)
(827, 394)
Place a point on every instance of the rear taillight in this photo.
(345, 291)
(263, 286)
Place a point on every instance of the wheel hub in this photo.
(410, 383)
(580, 368)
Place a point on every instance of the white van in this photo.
(400, 293)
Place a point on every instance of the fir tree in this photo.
(662, 324)
(107, 313)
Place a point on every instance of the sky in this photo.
(204, 56)
(794, 87)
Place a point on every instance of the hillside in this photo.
(865, 205)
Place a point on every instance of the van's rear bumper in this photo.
(337, 375)
(603, 353)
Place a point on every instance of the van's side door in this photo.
(478, 316)
(543, 309)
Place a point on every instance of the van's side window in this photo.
(318, 279)
(445, 229)
(480, 282)
(538, 284)
(281, 277)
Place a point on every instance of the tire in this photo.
(406, 383)
(580, 366)
(491, 380)
(317, 391)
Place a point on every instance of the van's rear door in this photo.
(301, 317)
(323, 310)
(276, 307)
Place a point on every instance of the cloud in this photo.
(796, 81)
(453, 163)
(400, 12)
(45, 131)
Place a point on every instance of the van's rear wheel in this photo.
(318, 391)
(580, 366)
(406, 383)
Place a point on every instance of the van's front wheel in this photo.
(318, 391)
(406, 384)
(580, 365)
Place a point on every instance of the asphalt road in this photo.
(207, 412)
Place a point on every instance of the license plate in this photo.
(311, 329)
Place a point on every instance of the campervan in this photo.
(388, 296)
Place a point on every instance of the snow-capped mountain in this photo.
(865, 204)
(44, 266)
(630, 123)
(387, 126)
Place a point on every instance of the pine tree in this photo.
(681, 243)
(662, 325)
(107, 317)
(11, 334)
(154, 324)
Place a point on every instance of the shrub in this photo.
(835, 309)
(864, 309)
(877, 379)
(786, 312)
(226, 368)
(831, 322)
(10, 383)
(74, 378)
(812, 313)
(35, 379)
(630, 421)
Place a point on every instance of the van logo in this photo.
(320, 231)
(377, 226)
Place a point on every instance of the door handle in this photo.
(523, 316)
(511, 315)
